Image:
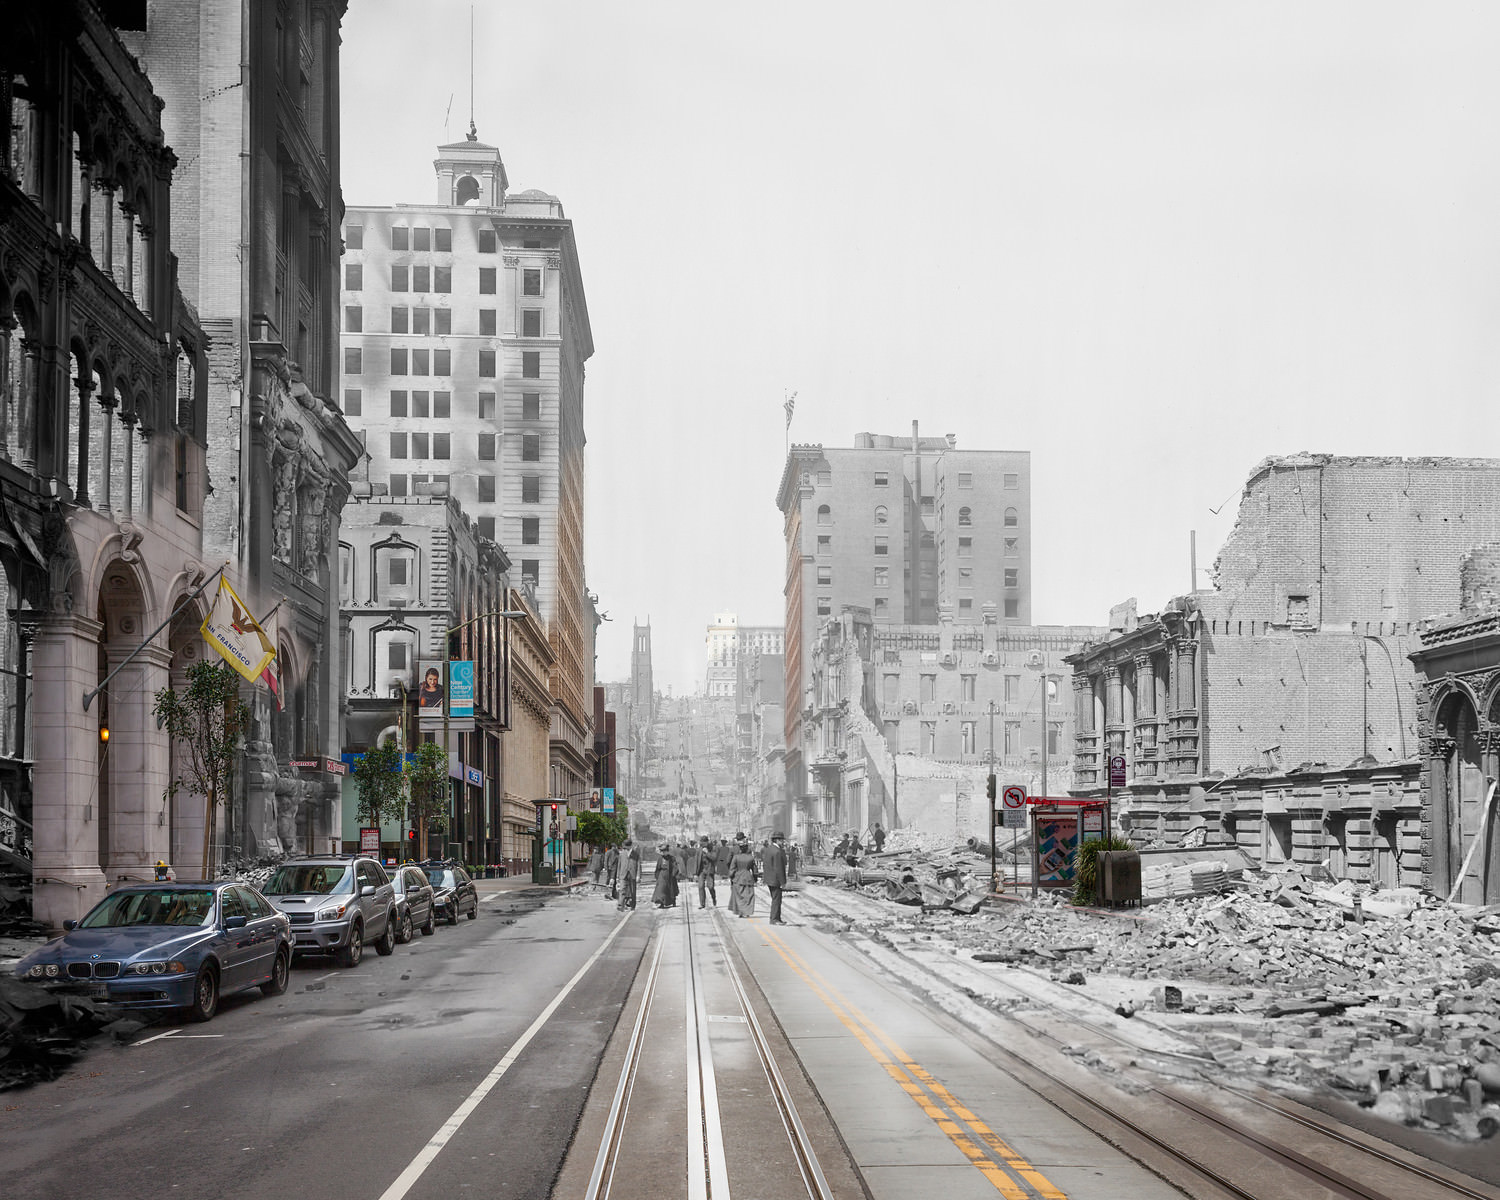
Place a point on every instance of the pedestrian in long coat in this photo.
(612, 871)
(743, 874)
(596, 864)
(631, 873)
(878, 837)
(664, 895)
(704, 873)
(776, 874)
(722, 858)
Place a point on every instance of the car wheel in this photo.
(474, 912)
(280, 969)
(431, 927)
(205, 994)
(404, 934)
(453, 915)
(350, 955)
(387, 943)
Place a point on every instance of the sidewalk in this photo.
(518, 883)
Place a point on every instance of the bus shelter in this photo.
(1059, 826)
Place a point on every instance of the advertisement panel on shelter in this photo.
(1056, 839)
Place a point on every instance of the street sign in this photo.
(1117, 771)
(369, 839)
(1093, 822)
(1013, 806)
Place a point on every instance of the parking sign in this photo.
(1117, 771)
(1013, 806)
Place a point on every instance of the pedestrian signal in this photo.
(411, 835)
(989, 786)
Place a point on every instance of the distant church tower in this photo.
(642, 686)
(470, 174)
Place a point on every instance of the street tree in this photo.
(427, 781)
(381, 784)
(208, 717)
(600, 829)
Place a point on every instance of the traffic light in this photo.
(411, 835)
(989, 787)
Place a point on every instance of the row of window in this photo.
(1012, 545)
(438, 404)
(421, 361)
(424, 320)
(1010, 480)
(1011, 608)
(422, 237)
(1012, 517)
(531, 486)
(438, 445)
(398, 569)
(1012, 575)
(1012, 745)
(420, 277)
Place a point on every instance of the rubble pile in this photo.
(1388, 995)
(43, 1033)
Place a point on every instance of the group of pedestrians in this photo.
(850, 848)
(705, 861)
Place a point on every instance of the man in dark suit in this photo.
(775, 874)
(722, 858)
(704, 857)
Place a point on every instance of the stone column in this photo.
(138, 760)
(1145, 715)
(1114, 712)
(65, 778)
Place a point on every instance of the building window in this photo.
(421, 279)
(1012, 576)
(486, 447)
(398, 278)
(419, 404)
(487, 527)
(1297, 610)
(398, 404)
(531, 322)
(442, 279)
(531, 406)
(354, 402)
(418, 361)
(965, 516)
(442, 239)
(487, 322)
(441, 443)
(442, 321)
(825, 478)
(531, 447)
(531, 571)
(882, 547)
(882, 605)
(531, 531)
(892, 734)
(966, 479)
(398, 445)
(398, 361)
(421, 238)
(967, 731)
(354, 277)
(1012, 547)
(531, 281)
(420, 317)
(825, 605)
(419, 445)
(965, 547)
(966, 605)
(399, 239)
(442, 405)
(1012, 609)
(486, 364)
(825, 544)
(531, 364)
(929, 738)
(1012, 688)
(882, 577)
(882, 516)
(354, 318)
(1012, 518)
(486, 281)
(486, 489)
(531, 489)
(442, 362)
(1012, 481)
(882, 478)
(398, 319)
(825, 575)
(1012, 738)
(486, 241)
(825, 515)
(354, 237)
(929, 689)
(398, 486)
(352, 361)
(966, 685)
(1054, 740)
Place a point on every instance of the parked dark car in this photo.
(414, 903)
(336, 904)
(169, 945)
(453, 891)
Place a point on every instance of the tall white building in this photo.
(726, 641)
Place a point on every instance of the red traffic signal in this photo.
(411, 835)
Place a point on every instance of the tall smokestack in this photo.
(914, 439)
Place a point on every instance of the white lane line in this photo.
(453, 1124)
(157, 1038)
(718, 1167)
(697, 1174)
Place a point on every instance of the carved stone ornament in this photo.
(282, 516)
(63, 564)
(1441, 747)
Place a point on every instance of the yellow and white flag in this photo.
(236, 635)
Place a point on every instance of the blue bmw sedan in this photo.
(169, 945)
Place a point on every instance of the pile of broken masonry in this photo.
(1397, 1005)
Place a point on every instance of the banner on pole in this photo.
(236, 635)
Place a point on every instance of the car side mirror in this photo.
(367, 890)
(69, 925)
(236, 922)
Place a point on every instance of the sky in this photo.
(1152, 243)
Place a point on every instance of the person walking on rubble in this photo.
(878, 837)
(776, 874)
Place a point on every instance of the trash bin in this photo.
(1119, 877)
(545, 873)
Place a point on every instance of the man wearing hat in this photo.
(775, 868)
(703, 870)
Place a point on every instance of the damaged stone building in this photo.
(1278, 711)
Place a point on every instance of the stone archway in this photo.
(1458, 795)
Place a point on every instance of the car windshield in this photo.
(295, 879)
(157, 906)
(440, 876)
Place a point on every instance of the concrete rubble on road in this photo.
(1388, 996)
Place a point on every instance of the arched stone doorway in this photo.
(1459, 789)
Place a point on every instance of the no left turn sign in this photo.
(1013, 806)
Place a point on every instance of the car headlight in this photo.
(332, 914)
(36, 972)
(155, 968)
(52, 970)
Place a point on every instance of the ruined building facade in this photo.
(1278, 711)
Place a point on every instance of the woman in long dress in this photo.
(742, 874)
(664, 895)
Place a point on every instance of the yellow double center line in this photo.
(982, 1146)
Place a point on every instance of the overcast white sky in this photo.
(1151, 243)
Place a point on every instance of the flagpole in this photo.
(88, 697)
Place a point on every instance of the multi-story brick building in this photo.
(102, 437)
(251, 104)
(907, 528)
(727, 641)
(466, 331)
(1279, 709)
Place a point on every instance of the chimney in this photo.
(915, 441)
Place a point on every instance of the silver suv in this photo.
(335, 904)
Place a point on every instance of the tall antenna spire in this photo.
(473, 132)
